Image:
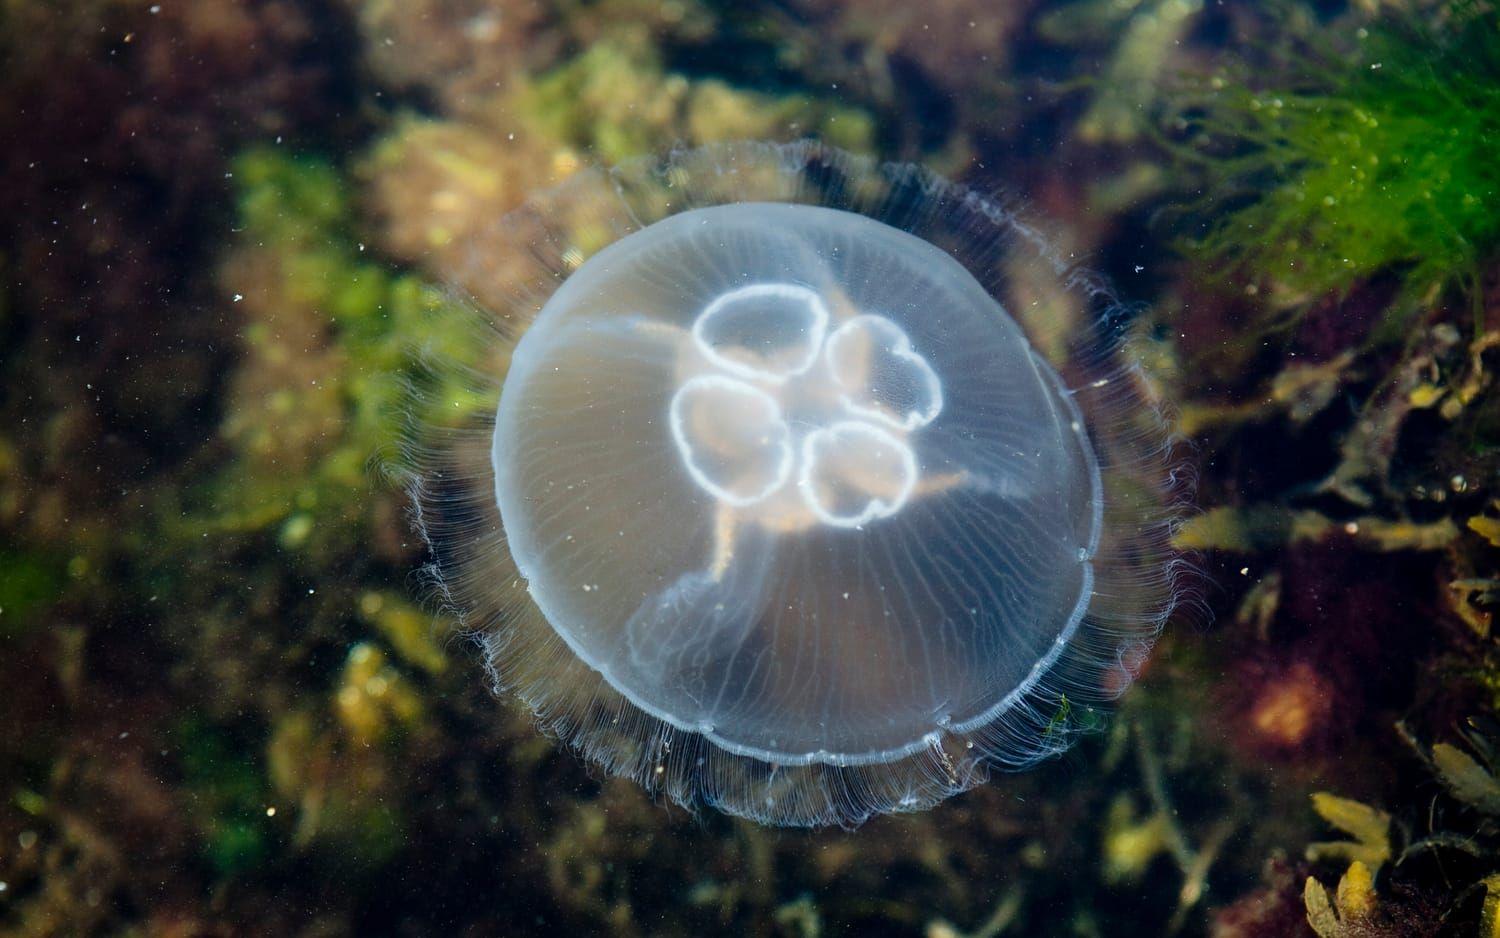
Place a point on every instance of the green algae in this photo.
(619, 102)
(1379, 161)
(328, 336)
(29, 584)
(230, 796)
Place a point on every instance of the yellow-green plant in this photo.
(1380, 160)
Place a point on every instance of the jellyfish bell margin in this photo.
(782, 438)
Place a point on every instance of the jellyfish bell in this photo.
(757, 484)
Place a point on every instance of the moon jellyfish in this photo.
(791, 484)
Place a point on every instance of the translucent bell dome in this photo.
(789, 477)
(779, 509)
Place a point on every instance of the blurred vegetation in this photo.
(327, 335)
(29, 583)
(227, 709)
(617, 103)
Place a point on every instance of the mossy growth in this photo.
(617, 100)
(29, 583)
(229, 793)
(1379, 161)
(328, 333)
(341, 779)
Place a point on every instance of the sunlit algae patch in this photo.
(756, 493)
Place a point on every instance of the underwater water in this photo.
(811, 467)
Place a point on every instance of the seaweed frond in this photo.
(1380, 160)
